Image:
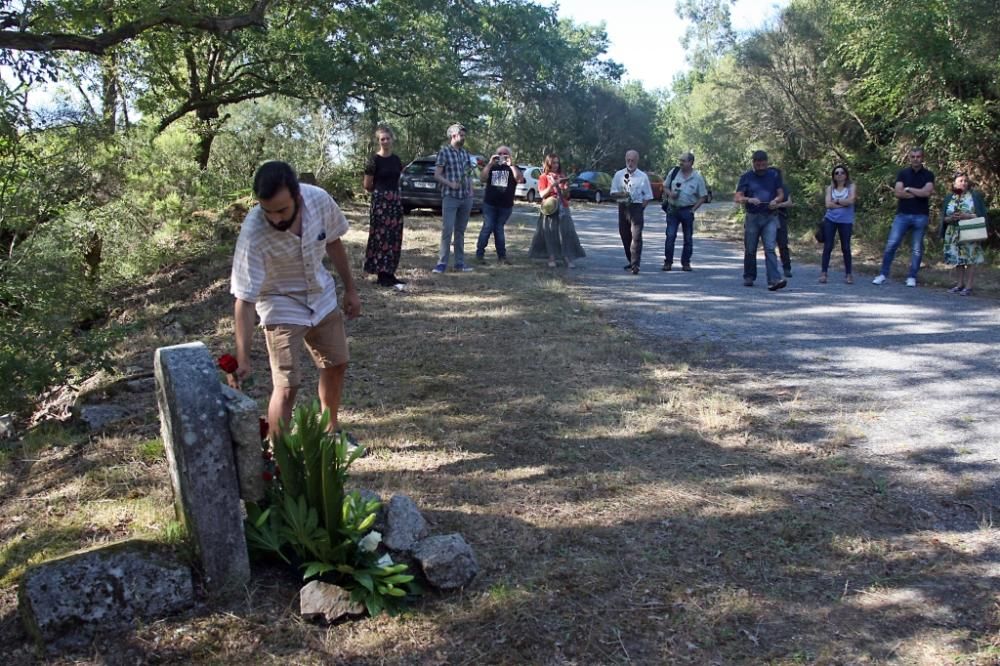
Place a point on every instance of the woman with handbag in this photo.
(963, 203)
(839, 219)
(555, 236)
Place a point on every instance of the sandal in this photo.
(822, 278)
(849, 279)
(957, 289)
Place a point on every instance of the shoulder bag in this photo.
(971, 230)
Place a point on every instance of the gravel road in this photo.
(914, 372)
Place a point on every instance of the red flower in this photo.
(266, 455)
(228, 364)
(263, 427)
(267, 476)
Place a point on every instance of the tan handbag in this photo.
(550, 206)
(972, 230)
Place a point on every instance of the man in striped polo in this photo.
(278, 271)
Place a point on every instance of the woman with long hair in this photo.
(839, 219)
(963, 203)
(555, 236)
(385, 230)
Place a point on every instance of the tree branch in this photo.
(46, 42)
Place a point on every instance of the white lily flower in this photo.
(370, 541)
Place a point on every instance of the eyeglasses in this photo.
(838, 172)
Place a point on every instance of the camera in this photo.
(503, 159)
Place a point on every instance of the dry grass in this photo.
(625, 506)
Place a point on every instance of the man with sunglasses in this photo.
(914, 186)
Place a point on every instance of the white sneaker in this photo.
(911, 282)
(879, 279)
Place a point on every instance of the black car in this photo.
(592, 185)
(418, 189)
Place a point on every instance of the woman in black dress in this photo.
(385, 233)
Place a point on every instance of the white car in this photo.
(528, 190)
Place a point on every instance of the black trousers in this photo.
(630, 222)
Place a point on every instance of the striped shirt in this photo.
(283, 274)
(457, 163)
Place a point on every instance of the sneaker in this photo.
(504, 261)
(667, 267)
(628, 267)
(788, 272)
(462, 268)
(956, 289)
(481, 260)
(965, 292)
(879, 279)
(911, 282)
(440, 268)
(747, 282)
(635, 269)
(686, 267)
(780, 284)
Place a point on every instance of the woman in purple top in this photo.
(839, 219)
(385, 231)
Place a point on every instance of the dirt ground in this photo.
(627, 503)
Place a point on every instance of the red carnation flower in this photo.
(267, 476)
(263, 427)
(228, 364)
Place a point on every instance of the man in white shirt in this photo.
(278, 271)
(631, 188)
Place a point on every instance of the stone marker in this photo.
(199, 451)
(322, 601)
(404, 524)
(244, 427)
(68, 601)
(447, 561)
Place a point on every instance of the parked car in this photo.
(528, 190)
(418, 189)
(656, 183)
(593, 185)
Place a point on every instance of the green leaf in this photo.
(365, 580)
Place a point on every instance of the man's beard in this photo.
(285, 225)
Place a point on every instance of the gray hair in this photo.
(687, 157)
(455, 128)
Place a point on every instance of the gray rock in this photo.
(144, 385)
(447, 561)
(244, 428)
(98, 417)
(195, 433)
(404, 524)
(66, 602)
(329, 603)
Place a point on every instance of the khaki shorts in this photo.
(326, 341)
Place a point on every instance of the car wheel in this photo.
(597, 197)
(531, 196)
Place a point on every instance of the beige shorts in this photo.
(326, 341)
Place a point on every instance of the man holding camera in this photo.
(684, 192)
(501, 177)
(631, 188)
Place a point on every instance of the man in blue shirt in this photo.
(760, 190)
(914, 186)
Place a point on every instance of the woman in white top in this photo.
(839, 219)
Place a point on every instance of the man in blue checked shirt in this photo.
(453, 172)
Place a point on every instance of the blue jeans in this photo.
(755, 227)
(454, 219)
(845, 230)
(494, 217)
(902, 223)
(684, 218)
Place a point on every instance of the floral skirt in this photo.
(385, 233)
(960, 254)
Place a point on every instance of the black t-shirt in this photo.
(914, 179)
(500, 187)
(386, 171)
